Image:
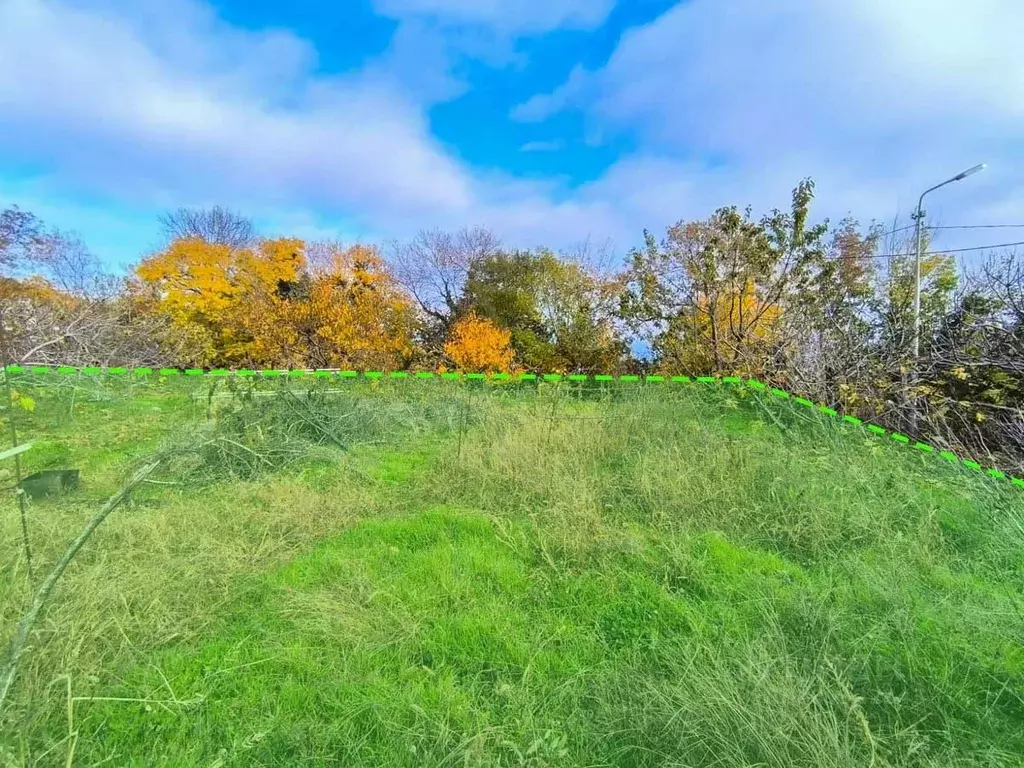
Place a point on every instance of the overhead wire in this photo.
(980, 226)
(954, 226)
(944, 251)
(931, 252)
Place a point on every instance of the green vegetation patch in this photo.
(554, 575)
(403, 641)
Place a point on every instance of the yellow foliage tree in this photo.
(730, 332)
(265, 307)
(355, 315)
(478, 345)
(226, 300)
(738, 316)
(34, 288)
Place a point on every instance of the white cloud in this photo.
(507, 16)
(116, 109)
(544, 105)
(421, 60)
(874, 99)
(731, 76)
(158, 103)
(451, 32)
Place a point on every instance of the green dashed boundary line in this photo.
(754, 384)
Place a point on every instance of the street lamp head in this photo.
(920, 247)
(970, 172)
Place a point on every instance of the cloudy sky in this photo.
(550, 121)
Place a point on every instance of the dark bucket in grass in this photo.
(50, 482)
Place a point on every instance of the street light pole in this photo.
(919, 216)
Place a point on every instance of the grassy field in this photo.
(428, 573)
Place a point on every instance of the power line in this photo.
(955, 226)
(931, 252)
(900, 229)
(953, 250)
(981, 226)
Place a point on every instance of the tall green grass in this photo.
(419, 573)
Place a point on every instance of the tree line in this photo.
(823, 310)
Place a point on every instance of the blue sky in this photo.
(549, 121)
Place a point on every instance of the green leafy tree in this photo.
(560, 317)
(709, 292)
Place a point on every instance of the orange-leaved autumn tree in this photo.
(225, 301)
(263, 331)
(265, 306)
(478, 345)
(352, 314)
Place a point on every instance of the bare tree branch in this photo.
(433, 266)
(217, 225)
(19, 230)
